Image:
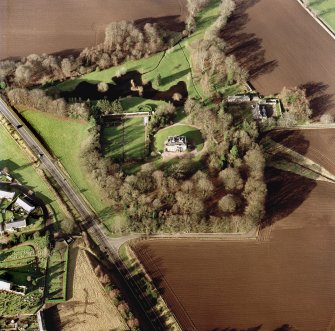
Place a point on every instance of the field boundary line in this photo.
(319, 20)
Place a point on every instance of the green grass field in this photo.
(130, 140)
(65, 137)
(192, 134)
(20, 166)
(325, 9)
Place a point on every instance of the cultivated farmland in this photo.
(70, 25)
(284, 277)
(282, 45)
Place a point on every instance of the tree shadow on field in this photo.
(246, 47)
(320, 101)
(286, 190)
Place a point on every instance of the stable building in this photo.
(175, 144)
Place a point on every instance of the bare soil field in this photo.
(282, 45)
(318, 145)
(285, 280)
(46, 26)
(89, 307)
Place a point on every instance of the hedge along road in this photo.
(282, 45)
(90, 221)
(69, 25)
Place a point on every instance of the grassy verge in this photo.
(21, 168)
(65, 137)
(325, 10)
(137, 271)
(192, 134)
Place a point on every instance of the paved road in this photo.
(78, 202)
(91, 222)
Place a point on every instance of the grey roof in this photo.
(24, 205)
(16, 224)
(7, 195)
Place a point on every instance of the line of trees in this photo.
(210, 64)
(123, 41)
(37, 98)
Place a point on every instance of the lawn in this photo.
(192, 134)
(127, 139)
(325, 9)
(65, 137)
(21, 169)
(135, 104)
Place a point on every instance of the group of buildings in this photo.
(262, 108)
(14, 211)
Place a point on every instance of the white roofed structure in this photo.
(7, 195)
(5, 286)
(11, 226)
(24, 205)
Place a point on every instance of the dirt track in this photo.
(46, 26)
(282, 45)
(286, 278)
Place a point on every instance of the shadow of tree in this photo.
(246, 47)
(320, 101)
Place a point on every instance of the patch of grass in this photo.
(192, 134)
(21, 168)
(65, 138)
(134, 104)
(128, 139)
(325, 9)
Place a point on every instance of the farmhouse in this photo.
(24, 205)
(12, 226)
(7, 195)
(175, 144)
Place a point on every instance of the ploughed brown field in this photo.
(282, 45)
(285, 280)
(317, 145)
(47, 26)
